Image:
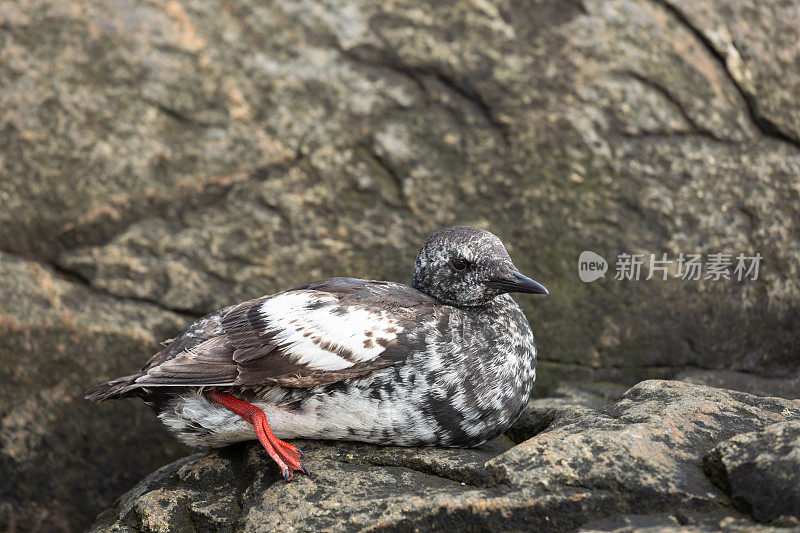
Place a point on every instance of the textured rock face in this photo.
(782, 388)
(585, 467)
(760, 470)
(62, 457)
(162, 159)
(196, 154)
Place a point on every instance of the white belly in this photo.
(199, 422)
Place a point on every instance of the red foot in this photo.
(283, 453)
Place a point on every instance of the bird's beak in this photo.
(518, 283)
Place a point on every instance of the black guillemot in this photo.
(449, 361)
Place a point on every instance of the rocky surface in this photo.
(781, 387)
(194, 154)
(159, 160)
(760, 471)
(61, 456)
(634, 463)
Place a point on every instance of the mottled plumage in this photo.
(447, 362)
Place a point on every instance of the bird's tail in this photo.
(112, 390)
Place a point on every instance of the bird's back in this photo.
(318, 333)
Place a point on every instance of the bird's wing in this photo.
(320, 333)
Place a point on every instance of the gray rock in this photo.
(760, 470)
(751, 383)
(646, 448)
(159, 159)
(196, 156)
(541, 412)
(640, 455)
(679, 522)
(351, 487)
(62, 458)
(592, 394)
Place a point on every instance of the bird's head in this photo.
(467, 266)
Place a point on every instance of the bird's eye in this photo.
(458, 264)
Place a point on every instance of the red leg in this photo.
(285, 447)
(284, 454)
(289, 448)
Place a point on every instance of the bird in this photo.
(449, 361)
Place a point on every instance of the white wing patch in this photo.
(320, 332)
